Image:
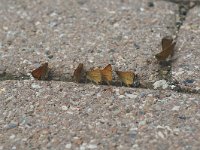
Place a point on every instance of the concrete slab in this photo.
(186, 69)
(126, 34)
(58, 115)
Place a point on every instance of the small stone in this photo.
(92, 146)
(12, 125)
(160, 134)
(121, 92)
(176, 108)
(77, 141)
(173, 86)
(64, 107)
(50, 56)
(189, 81)
(2, 69)
(121, 96)
(160, 83)
(98, 95)
(35, 86)
(2, 90)
(131, 96)
(89, 110)
(12, 136)
(68, 146)
(141, 123)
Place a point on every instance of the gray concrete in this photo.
(186, 69)
(56, 115)
(65, 115)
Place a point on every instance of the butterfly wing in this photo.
(167, 48)
(94, 75)
(41, 73)
(166, 42)
(78, 72)
(126, 77)
(106, 73)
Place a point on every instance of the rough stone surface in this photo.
(186, 68)
(96, 118)
(127, 34)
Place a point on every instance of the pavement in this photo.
(162, 112)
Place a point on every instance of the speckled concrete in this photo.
(186, 68)
(126, 34)
(66, 115)
(55, 115)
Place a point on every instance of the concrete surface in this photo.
(186, 69)
(65, 115)
(56, 115)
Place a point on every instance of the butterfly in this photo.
(41, 73)
(106, 74)
(126, 77)
(167, 48)
(78, 72)
(94, 75)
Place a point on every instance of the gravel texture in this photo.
(58, 115)
(127, 34)
(186, 68)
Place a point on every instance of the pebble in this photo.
(12, 125)
(121, 96)
(131, 96)
(189, 81)
(2, 69)
(160, 83)
(141, 123)
(64, 107)
(2, 90)
(176, 108)
(12, 136)
(35, 86)
(160, 134)
(92, 146)
(69, 145)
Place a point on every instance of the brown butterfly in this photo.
(94, 75)
(126, 77)
(106, 74)
(78, 72)
(167, 48)
(41, 73)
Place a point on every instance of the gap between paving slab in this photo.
(38, 114)
(152, 73)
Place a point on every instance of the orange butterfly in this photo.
(94, 75)
(167, 48)
(78, 72)
(126, 77)
(41, 73)
(106, 74)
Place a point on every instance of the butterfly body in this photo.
(94, 75)
(126, 77)
(41, 73)
(78, 72)
(167, 48)
(106, 74)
